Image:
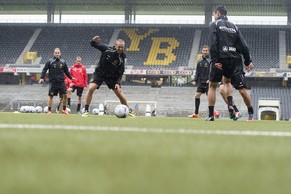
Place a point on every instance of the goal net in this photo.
(138, 107)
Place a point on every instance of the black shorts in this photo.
(215, 75)
(202, 88)
(79, 90)
(110, 82)
(230, 67)
(56, 88)
(238, 81)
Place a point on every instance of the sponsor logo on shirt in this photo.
(226, 29)
(226, 49)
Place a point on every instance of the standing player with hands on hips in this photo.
(201, 79)
(109, 69)
(57, 68)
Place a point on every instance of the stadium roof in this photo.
(147, 7)
(184, 7)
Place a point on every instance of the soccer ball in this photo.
(69, 110)
(216, 114)
(45, 109)
(32, 109)
(95, 111)
(23, 109)
(121, 111)
(26, 109)
(38, 109)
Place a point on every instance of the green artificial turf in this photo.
(139, 156)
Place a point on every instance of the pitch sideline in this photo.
(149, 130)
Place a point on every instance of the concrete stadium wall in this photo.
(171, 101)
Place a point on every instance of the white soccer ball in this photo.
(22, 109)
(95, 111)
(27, 109)
(38, 109)
(69, 110)
(45, 109)
(32, 109)
(121, 111)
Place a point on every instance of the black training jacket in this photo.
(57, 68)
(226, 41)
(202, 70)
(111, 64)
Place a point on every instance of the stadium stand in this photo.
(288, 42)
(158, 48)
(273, 93)
(204, 37)
(264, 46)
(72, 40)
(13, 40)
(146, 47)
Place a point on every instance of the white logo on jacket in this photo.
(226, 49)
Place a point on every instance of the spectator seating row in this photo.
(72, 40)
(13, 40)
(264, 46)
(288, 41)
(163, 47)
(146, 47)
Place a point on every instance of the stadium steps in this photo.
(282, 49)
(195, 48)
(29, 45)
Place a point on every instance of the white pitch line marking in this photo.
(149, 130)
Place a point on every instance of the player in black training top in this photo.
(201, 79)
(227, 45)
(109, 69)
(57, 68)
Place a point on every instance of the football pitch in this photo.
(41, 154)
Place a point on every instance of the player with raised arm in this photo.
(109, 69)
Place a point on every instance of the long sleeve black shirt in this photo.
(226, 41)
(111, 64)
(57, 68)
(202, 70)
